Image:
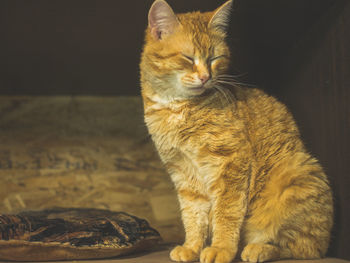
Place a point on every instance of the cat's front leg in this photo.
(194, 211)
(228, 211)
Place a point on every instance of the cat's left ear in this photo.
(162, 20)
(221, 18)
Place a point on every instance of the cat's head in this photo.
(184, 53)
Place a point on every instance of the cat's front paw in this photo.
(260, 253)
(183, 254)
(216, 255)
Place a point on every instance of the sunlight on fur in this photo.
(246, 185)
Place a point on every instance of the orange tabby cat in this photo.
(244, 179)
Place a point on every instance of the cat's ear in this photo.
(162, 20)
(221, 18)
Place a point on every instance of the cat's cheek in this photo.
(181, 79)
(179, 65)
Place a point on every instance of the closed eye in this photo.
(188, 58)
(211, 60)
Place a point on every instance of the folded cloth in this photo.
(73, 233)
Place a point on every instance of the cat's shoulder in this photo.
(256, 94)
(258, 100)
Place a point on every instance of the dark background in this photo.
(296, 50)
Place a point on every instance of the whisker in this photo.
(230, 83)
(235, 83)
(226, 93)
(234, 76)
(231, 80)
(220, 96)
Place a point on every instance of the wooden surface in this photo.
(163, 257)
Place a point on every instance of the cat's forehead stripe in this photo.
(196, 26)
(201, 42)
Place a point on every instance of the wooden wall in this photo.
(315, 84)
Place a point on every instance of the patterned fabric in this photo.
(77, 228)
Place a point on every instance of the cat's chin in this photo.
(196, 91)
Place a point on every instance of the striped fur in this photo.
(245, 182)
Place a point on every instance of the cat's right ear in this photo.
(221, 17)
(162, 20)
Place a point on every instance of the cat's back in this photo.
(269, 122)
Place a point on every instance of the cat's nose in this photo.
(204, 78)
